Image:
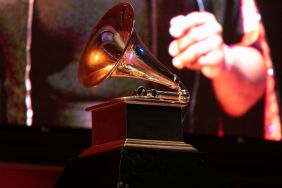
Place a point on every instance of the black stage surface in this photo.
(243, 162)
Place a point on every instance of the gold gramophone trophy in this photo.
(114, 50)
(137, 141)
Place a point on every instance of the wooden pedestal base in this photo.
(137, 145)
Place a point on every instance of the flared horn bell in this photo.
(114, 49)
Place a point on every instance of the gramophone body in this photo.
(136, 140)
(114, 49)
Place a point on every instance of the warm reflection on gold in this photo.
(100, 73)
(95, 58)
(99, 66)
(108, 68)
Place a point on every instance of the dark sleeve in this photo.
(232, 25)
(227, 13)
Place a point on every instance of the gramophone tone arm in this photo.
(183, 95)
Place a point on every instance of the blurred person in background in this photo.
(225, 42)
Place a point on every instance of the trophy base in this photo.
(128, 118)
(136, 167)
(137, 144)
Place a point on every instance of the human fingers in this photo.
(197, 34)
(189, 57)
(175, 28)
(212, 64)
(180, 24)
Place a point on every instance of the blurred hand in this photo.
(198, 43)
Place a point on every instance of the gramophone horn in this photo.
(114, 49)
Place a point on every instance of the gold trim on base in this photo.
(144, 100)
(159, 144)
(138, 143)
